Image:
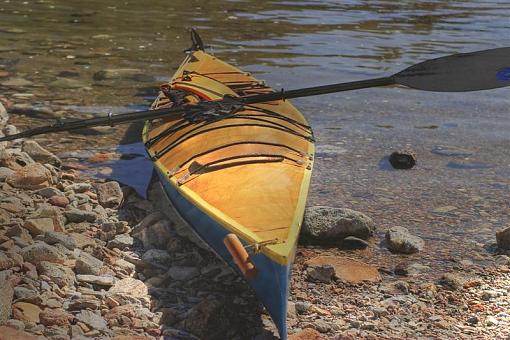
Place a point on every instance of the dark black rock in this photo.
(403, 159)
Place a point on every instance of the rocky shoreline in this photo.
(88, 258)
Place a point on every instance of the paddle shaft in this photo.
(318, 90)
(461, 72)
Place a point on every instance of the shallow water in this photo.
(293, 44)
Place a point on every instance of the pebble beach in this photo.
(88, 258)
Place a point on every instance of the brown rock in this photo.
(348, 270)
(307, 334)
(59, 201)
(110, 194)
(33, 176)
(8, 333)
(22, 233)
(25, 311)
(55, 317)
(39, 226)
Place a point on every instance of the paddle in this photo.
(482, 70)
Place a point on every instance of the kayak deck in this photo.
(249, 170)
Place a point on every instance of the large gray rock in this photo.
(328, 225)
(503, 238)
(399, 240)
(6, 295)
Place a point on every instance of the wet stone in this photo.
(327, 225)
(403, 159)
(399, 240)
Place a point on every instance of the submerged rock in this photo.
(403, 159)
(119, 73)
(398, 239)
(327, 225)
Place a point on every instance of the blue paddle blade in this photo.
(461, 72)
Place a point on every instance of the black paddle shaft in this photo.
(482, 70)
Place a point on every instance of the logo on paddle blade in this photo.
(504, 74)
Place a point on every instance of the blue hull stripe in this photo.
(271, 282)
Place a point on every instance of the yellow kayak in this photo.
(239, 177)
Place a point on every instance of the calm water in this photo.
(293, 44)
